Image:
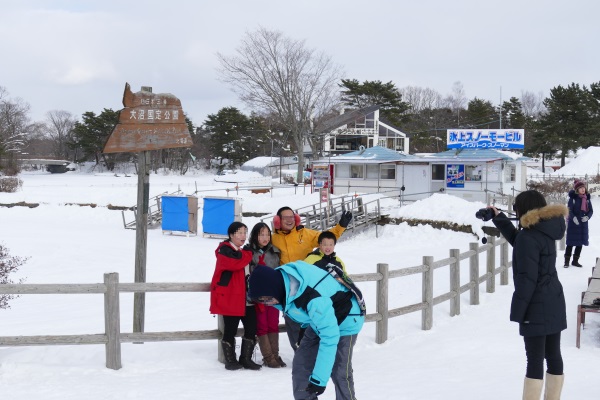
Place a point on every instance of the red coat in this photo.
(228, 285)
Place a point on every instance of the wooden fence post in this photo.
(112, 318)
(221, 328)
(427, 312)
(474, 273)
(381, 326)
(504, 263)
(455, 282)
(490, 284)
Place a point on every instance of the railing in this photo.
(111, 288)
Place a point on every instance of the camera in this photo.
(484, 214)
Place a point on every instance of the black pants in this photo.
(569, 250)
(539, 348)
(231, 325)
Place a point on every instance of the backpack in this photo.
(342, 301)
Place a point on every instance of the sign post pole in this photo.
(141, 238)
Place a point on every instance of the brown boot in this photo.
(267, 352)
(274, 339)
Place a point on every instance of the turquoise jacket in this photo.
(319, 314)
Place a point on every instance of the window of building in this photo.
(372, 171)
(356, 171)
(388, 172)
(438, 172)
(473, 172)
(510, 173)
(342, 171)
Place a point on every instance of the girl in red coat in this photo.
(228, 297)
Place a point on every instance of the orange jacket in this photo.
(299, 242)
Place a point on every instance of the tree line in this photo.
(291, 91)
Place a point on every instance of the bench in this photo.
(587, 300)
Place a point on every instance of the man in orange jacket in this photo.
(295, 243)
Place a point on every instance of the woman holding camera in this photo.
(538, 302)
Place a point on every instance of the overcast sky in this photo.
(77, 55)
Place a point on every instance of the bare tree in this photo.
(14, 125)
(457, 99)
(59, 127)
(277, 75)
(532, 104)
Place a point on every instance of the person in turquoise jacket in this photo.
(327, 309)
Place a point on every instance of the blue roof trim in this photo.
(377, 153)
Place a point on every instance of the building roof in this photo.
(372, 155)
(345, 118)
(475, 154)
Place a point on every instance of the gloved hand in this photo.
(584, 218)
(575, 221)
(345, 219)
(315, 389)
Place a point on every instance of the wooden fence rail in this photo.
(111, 288)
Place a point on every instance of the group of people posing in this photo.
(291, 269)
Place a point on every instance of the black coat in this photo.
(538, 302)
(578, 235)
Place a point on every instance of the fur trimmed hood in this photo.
(533, 217)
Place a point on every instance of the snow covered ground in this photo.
(476, 355)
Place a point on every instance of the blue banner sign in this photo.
(485, 138)
(455, 175)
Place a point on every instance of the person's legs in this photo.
(230, 325)
(568, 252)
(342, 374)
(262, 325)
(535, 351)
(553, 355)
(249, 339)
(293, 330)
(304, 362)
(576, 255)
(249, 323)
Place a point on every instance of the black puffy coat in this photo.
(538, 302)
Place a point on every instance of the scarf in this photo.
(584, 205)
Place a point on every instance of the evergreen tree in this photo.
(91, 134)
(512, 114)
(480, 114)
(569, 120)
(370, 93)
(234, 137)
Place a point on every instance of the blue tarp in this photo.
(218, 215)
(175, 214)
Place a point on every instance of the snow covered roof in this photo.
(260, 162)
(372, 155)
(476, 154)
(587, 162)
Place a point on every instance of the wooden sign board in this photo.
(149, 121)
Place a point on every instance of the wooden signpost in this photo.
(148, 122)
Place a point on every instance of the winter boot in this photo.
(575, 262)
(532, 389)
(554, 384)
(267, 352)
(274, 339)
(229, 352)
(246, 354)
(567, 259)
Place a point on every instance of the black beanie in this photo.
(266, 281)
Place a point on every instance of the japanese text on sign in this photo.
(485, 138)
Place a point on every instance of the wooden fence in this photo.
(111, 288)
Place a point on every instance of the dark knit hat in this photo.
(578, 183)
(266, 282)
